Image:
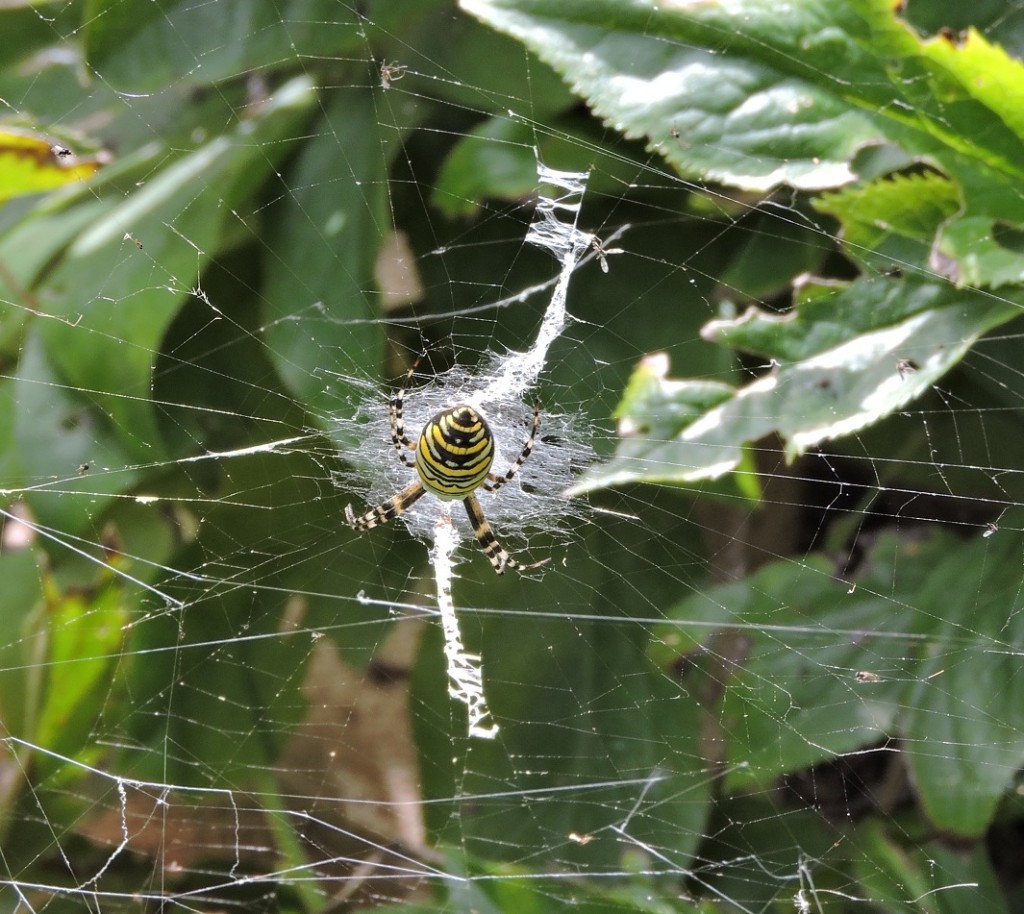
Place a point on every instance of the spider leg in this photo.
(488, 542)
(397, 422)
(493, 482)
(387, 511)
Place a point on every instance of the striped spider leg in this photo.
(493, 483)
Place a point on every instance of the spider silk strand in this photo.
(553, 229)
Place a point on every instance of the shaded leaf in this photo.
(797, 701)
(834, 668)
(54, 433)
(926, 878)
(147, 46)
(19, 644)
(494, 160)
(964, 748)
(318, 286)
(778, 249)
(30, 25)
(25, 250)
(85, 634)
(126, 276)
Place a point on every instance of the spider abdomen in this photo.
(455, 452)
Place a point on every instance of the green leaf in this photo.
(140, 46)
(124, 279)
(832, 668)
(739, 94)
(326, 245)
(31, 163)
(577, 691)
(775, 252)
(894, 220)
(54, 434)
(10, 472)
(495, 159)
(889, 871)
(479, 886)
(657, 407)
(796, 701)
(19, 664)
(968, 92)
(235, 653)
(757, 859)
(716, 98)
(455, 55)
(30, 25)
(831, 377)
(924, 878)
(235, 699)
(25, 250)
(964, 749)
(86, 632)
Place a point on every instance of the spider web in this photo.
(772, 669)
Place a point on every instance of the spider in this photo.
(453, 459)
(391, 73)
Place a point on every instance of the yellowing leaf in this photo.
(30, 162)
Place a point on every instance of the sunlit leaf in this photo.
(829, 377)
(891, 223)
(30, 163)
(741, 95)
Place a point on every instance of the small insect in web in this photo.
(905, 367)
(602, 253)
(454, 453)
(391, 73)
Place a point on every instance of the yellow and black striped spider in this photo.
(453, 459)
